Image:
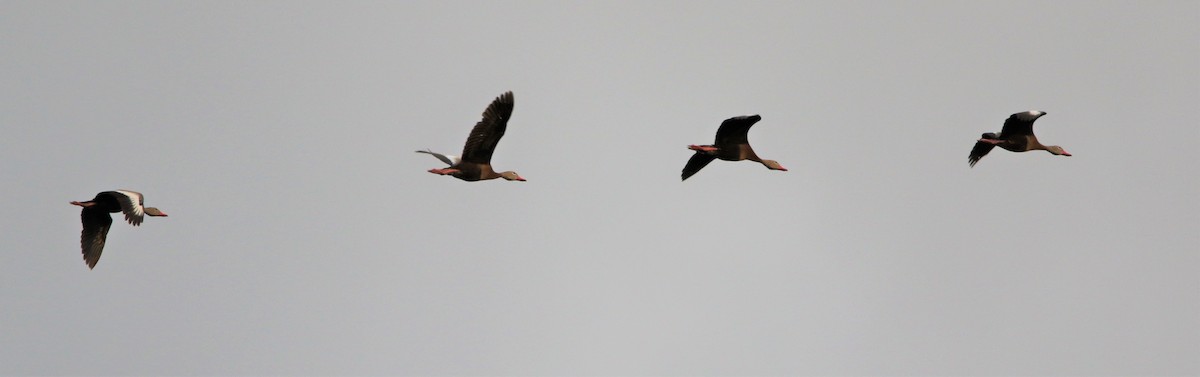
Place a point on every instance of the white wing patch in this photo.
(449, 160)
(131, 206)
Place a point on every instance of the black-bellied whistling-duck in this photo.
(96, 220)
(731, 145)
(1016, 136)
(476, 161)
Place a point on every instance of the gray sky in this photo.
(305, 237)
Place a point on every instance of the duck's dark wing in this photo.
(1020, 124)
(981, 149)
(487, 133)
(95, 230)
(733, 130)
(697, 162)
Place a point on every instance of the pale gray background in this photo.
(305, 237)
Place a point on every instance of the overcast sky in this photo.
(306, 238)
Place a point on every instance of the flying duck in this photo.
(96, 220)
(475, 164)
(731, 145)
(1016, 136)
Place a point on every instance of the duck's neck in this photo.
(486, 172)
(1034, 144)
(748, 154)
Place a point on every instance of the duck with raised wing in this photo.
(731, 145)
(1016, 136)
(475, 164)
(96, 220)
